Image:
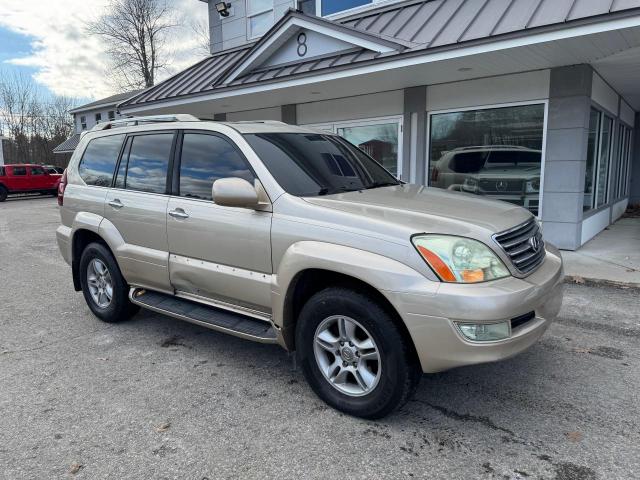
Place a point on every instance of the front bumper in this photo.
(438, 342)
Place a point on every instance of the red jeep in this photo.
(24, 178)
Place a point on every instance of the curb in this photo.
(599, 282)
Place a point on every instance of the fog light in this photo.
(485, 332)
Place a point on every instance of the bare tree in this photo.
(34, 121)
(200, 29)
(135, 33)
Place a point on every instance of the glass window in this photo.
(98, 117)
(334, 6)
(316, 164)
(603, 162)
(2, 171)
(378, 141)
(495, 152)
(37, 171)
(205, 159)
(148, 163)
(112, 115)
(592, 150)
(19, 171)
(83, 122)
(99, 160)
(307, 6)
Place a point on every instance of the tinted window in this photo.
(205, 159)
(99, 160)
(37, 171)
(1, 171)
(149, 162)
(19, 171)
(316, 164)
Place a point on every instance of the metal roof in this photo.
(417, 25)
(69, 145)
(105, 102)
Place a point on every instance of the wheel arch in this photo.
(309, 267)
(81, 238)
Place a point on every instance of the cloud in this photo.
(68, 61)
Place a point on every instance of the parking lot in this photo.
(159, 398)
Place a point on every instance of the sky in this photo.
(46, 40)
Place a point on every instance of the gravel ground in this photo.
(158, 398)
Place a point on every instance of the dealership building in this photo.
(528, 101)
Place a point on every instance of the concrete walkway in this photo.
(612, 256)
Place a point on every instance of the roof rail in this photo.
(132, 121)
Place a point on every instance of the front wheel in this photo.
(103, 286)
(354, 355)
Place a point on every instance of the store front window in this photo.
(596, 182)
(495, 152)
(380, 139)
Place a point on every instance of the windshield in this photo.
(310, 164)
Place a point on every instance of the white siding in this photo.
(273, 113)
(352, 108)
(604, 95)
(519, 87)
(627, 114)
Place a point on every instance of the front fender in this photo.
(382, 273)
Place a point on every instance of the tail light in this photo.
(434, 175)
(61, 187)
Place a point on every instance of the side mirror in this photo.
(234, 192)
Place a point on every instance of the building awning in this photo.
(407, 30)
(69, 145)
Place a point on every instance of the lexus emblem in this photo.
(501, 185)
(534, 243)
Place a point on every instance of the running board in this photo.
(205, 315)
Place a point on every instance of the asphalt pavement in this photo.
(158, 398)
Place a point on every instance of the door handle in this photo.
(179, 213)
(116, 203)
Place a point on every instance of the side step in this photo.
(205, 315)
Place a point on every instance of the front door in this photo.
(137, 208)
(219, 253)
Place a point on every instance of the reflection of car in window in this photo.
(509, 173)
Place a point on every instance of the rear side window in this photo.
(2, 172)
(19, 171)
(205, 159)
(99, 160)
(148, 163)
(37, 171)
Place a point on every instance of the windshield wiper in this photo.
(381, 184)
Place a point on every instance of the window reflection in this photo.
(149, 162)
(205, 159)
(494, 152)
(378, 141)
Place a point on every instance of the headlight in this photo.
(459, 259)
(470, 184)
(533, 186)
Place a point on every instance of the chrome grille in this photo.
(523, 245)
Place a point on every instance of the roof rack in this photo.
(132, 121)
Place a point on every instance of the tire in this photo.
(117, 308)
(396, 371)
(3, 193)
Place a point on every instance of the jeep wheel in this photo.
(104, 288)
(3, 193)
(353, 354)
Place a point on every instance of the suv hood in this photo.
(425, 209)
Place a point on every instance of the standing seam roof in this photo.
(417, 24)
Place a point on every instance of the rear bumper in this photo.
(431, 319)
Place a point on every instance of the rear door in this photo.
(220, 253)
(137, 207)
(18, 179)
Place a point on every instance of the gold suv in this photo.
(282, 234)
